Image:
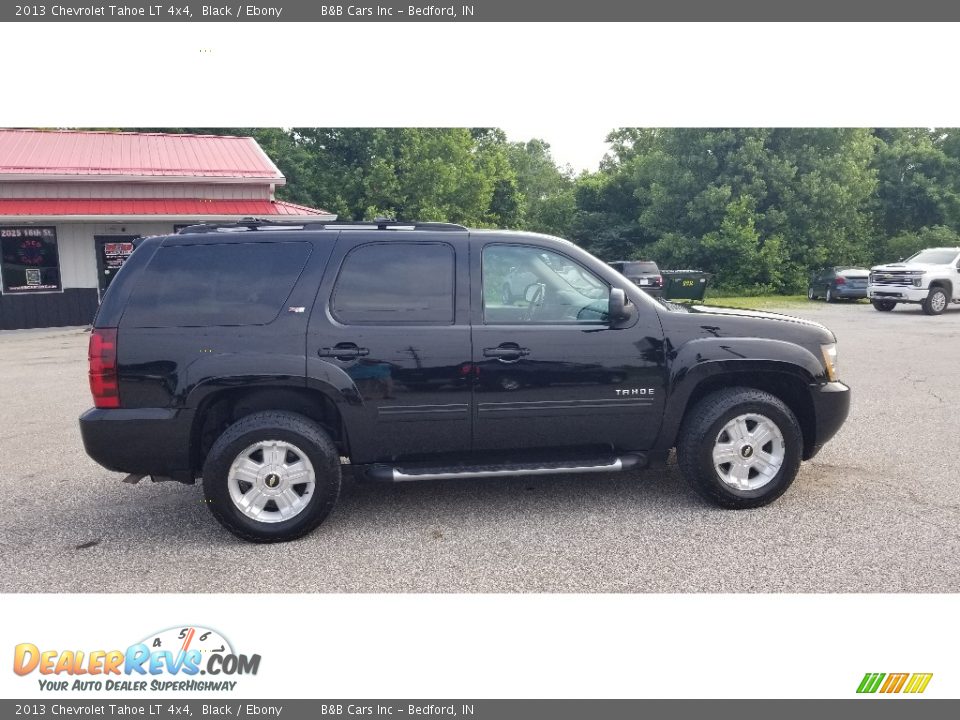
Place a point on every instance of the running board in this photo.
(412, 473)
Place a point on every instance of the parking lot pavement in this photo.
(877, 511)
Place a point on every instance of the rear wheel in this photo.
(740, 448)
(810, 294)
(884, 305)
(936, 302)
(829, 296)
(272, 476)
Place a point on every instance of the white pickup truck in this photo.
(930, 278)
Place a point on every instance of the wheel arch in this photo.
(944, 284)
(221, 406)
(785, 381)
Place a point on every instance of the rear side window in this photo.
(207, 285)
(395, 283)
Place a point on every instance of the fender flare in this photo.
(708, 358)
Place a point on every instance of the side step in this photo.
(409, 473)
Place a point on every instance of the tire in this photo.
(704, 430)
(307, 451)
(829, 296)
(884, 305)
(810, 294)
(936, 302)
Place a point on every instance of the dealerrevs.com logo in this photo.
(172, 659)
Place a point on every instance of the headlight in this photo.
(830, 360)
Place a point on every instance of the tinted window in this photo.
(523, 284)
(390, 283)
(205, 285)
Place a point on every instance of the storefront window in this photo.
(30, 261)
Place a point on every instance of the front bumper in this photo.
(145, 441)
(831, 405)
(900, 293)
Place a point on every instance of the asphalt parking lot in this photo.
(877, 511)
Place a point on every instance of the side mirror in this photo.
(620, 308)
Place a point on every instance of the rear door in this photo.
(393, 315)
(550, 371)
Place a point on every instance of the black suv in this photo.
(643, 273)
(260, 356)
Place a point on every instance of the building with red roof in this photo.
(72, 202)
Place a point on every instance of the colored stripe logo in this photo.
(913, 683)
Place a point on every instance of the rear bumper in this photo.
(831, 405)
(849, 293)
(146, 441)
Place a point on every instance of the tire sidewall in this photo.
(217, 493)
(928, 306)
(793, 442)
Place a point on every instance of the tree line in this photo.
(758, 207)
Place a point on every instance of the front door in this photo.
(112, 253)
(397, 324)
(550, 371)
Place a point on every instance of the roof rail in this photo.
(252, 224)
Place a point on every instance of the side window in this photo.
(524, 284)
(211, 285)
(395, 283)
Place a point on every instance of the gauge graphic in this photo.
(191, 637)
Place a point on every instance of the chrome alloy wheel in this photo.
(748, 452)
(938, 301)
(271, 481)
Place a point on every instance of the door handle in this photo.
(506, 352)
(344, 351)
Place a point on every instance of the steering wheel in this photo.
(536, 301)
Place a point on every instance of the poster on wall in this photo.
(30, 260)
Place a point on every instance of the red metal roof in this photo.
(75, 154)
(56, 207)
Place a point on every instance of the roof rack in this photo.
(252, 224)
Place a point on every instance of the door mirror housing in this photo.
(621, 309)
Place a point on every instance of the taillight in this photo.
(840, 280)
(658, 280)
(102, 355)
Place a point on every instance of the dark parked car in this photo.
(257, 355)
(643, 273)
(838, 283)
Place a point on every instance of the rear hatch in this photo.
(854, 279)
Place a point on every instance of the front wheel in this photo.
(811, 295)
(884, 305)
(740, 448)
(936, 302)
(272, 476)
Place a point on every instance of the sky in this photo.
(581, 146)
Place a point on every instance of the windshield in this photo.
(937, 256)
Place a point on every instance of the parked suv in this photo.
(930, 278)
(643, 273)
(261, 356)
